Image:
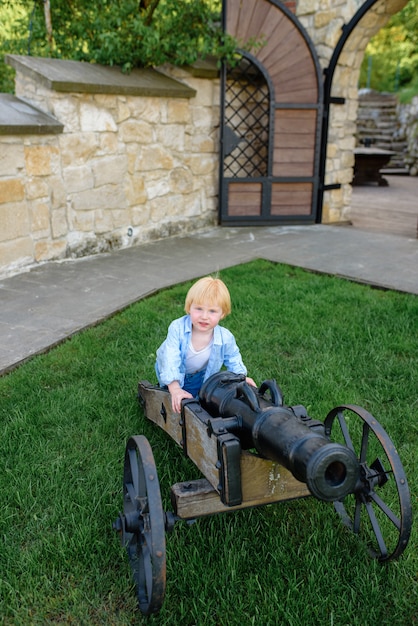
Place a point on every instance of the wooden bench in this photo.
(368, 163)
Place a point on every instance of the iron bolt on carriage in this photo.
(253, 450)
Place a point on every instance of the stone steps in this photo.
(377, 119)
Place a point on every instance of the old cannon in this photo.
(253, 450)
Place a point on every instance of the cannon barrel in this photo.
(277, 432)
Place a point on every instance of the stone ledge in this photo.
(17, 117)
(204, 68)
(76, 76)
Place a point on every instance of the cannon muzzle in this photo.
(282, 433)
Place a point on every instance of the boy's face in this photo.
(205, 316)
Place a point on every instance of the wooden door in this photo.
(271, 119)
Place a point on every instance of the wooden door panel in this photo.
(285, 73)
(291, 199)
(244, 199)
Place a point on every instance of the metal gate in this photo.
(271, 116)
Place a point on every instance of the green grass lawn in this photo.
(66, 416)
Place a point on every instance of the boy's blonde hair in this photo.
(209, 290)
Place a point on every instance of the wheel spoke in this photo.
(145, 518)
(344, 430)
(131, 492)
(342, 512)
(383, 519)
(364, 443)
(376, 529)
(148, 573)
(133, 462)
(142, 567)
(386, 510)
(357, 516)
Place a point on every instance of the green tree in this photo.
(128, 34)
(391, 59)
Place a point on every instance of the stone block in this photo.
(323, 18)
(82, 221)
(203, 143)
(15, 254)
(12, 158)
(204, 92)
(171, 136)
(49, 250)
(347, 159)
(58, 194)
(65, 110)
(103, 221)
(108, 170)
(94, 119)
(37, 188)
(38, 159)
(193, 205)
(105, 197)
(151, 109)
(108, 143)
(120, 218)
(77, 148)
(135, 190)
(106, 101)
(161, 209)
(154, 158)
(123, 110)
(202, 117)
(78, 178)
(178, 112)
(140, 215)
(345, 175)
(181, 180)
(59, 225)
(11, 190)
(39, 212)
(14, 220)
(157, 188)
(131, 155)
(136, 131)
(200, 165)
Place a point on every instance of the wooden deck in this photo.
(392, 209)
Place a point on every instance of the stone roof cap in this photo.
(18, 117)
(76, 76)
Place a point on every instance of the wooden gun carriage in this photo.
(254, 450)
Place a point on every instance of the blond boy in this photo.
(196, 346)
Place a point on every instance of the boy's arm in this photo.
(168, 363)
(177, 395)
(233, 359)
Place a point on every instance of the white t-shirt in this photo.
(197, 360)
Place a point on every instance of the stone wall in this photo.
(408, 131)
(125, 169)
(324, 20)
(129, 168)
(390, 125)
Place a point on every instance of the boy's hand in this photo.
(250, 382)
(177, 395)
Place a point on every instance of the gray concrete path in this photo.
(42, 307)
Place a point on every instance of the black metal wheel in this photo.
(380, 508)
(142, 525)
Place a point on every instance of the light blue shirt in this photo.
(171, 355)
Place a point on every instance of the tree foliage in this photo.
(132, 33)
(391, 59)
(141, 33)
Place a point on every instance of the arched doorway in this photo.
(289, 69)
(271, 120)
